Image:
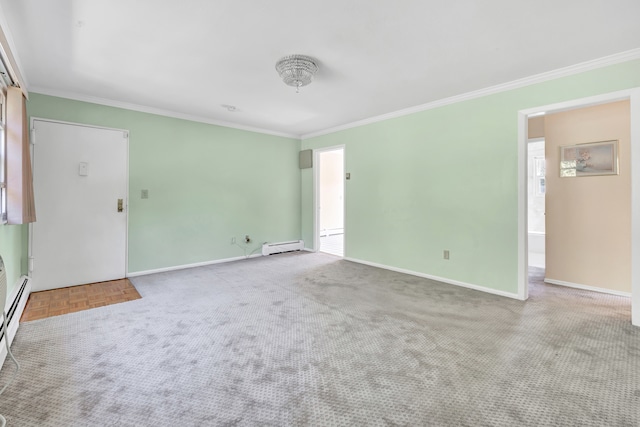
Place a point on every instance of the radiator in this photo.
(277, 248)
(14, 308)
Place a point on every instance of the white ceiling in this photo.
(375, 56)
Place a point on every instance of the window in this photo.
(18, 192)
(539, 176)
(3, 146)
(16, 182)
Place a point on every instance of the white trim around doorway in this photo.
(633, 95)
(316, 195)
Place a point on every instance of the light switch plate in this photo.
(83, 169)
(144, 194)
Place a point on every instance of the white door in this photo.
(79, 179)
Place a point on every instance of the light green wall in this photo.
(206, 184)
(11, 244)
(446, 178)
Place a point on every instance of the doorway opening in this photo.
(330, 200)
(632, 96)
(536, 201)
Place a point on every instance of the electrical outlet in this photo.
(144, 194)
(233, 240)
(247, 239)
(446, 254)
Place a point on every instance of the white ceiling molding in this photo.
(379, 69)
(156, 111)
(515, 84)
(538, 78)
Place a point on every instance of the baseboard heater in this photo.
(15, 307)
(278, 248)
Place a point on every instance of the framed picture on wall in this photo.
(592, 158)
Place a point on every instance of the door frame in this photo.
(126, 201)
(316, 195)
(633, 96)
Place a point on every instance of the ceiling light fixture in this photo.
(230, 108)
(296, 70)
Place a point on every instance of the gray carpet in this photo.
(307, 339)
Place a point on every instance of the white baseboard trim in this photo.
(587, 288)
(185, 266)
(437, 278)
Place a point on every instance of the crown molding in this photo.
(157, 111)
(617, 58)
(629, 55)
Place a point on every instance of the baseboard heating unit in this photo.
(278, 248)
(14, 308)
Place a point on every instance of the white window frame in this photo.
(3, 157)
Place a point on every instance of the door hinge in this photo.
(125, 135)
(33, 136)
(30, 264)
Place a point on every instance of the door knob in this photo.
(120, 201)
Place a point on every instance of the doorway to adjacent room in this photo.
(536, 201)
(631, 155)
(330, 200)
